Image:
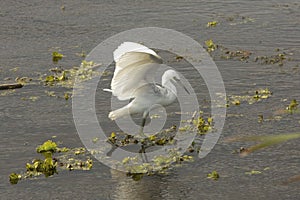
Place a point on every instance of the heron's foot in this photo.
(143, 154)
(142, 134)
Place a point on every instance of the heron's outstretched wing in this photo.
(133, 62)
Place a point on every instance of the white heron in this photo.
(133, 62)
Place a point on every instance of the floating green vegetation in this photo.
(48, 146)
(159, 165)
(14, 178)
(214, 175)
(293, 106)
(56, 56)
(271, 60)
(203, 126)
(164, 137)
(38, 167)
(211, 46)
(135, 166)
(212, 24)
(241, 55)
(66, 95)
(262, 94)
(66, 77)
(256, 96)
(55, 158)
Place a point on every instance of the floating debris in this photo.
(23, 80)
(10, 86)
(81, 54)
(253, 172)
(178, 58)
(31, 98)
(264, 141)
(238, 19)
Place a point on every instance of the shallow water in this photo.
(30, 31)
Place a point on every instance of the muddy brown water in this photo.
(31, 30)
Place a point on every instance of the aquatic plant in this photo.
(214, 175)
(66, 158)
(211, 24)
(56, 56)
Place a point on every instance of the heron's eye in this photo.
(175, 78)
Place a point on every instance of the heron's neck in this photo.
(170, 87)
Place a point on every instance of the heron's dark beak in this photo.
(181, 84)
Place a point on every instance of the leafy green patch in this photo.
(66, 77)
(203, 126)
(164, 137)
(48, 146)
(212, 24)
(214, 175)
(159, 165)
(210, 45)
(38, 167)
(14, 178)
(293, 106)
(56, 56)
(55, 158)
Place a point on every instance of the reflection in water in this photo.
(146, 188)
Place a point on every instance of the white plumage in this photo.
(133, 62)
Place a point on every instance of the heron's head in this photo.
(171, 76)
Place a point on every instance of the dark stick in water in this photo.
(10, 86)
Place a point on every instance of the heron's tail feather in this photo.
(113, 115)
